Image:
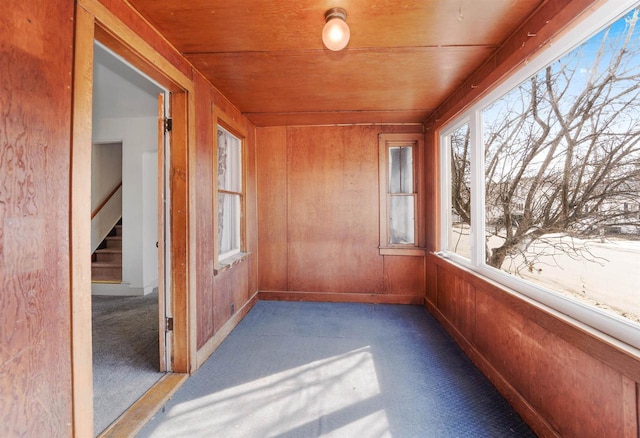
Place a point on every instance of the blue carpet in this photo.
(295, 369)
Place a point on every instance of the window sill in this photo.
(227, 263)
(402, 251)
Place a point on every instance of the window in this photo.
(400, 227)
(230, 194)
(539, 177)
(457, 161)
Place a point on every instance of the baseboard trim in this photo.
(214, 342)
(133, 419)
(530, 415)
(340, 297)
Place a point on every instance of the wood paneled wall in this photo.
(216, 293)
(564, 380)
(36, 63)
(319, 217)
(35, 131)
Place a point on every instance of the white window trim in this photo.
(610, 325)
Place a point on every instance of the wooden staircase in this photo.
(106, 261)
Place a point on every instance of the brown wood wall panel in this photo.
(205, 236)
(333, 210)
(578, 395)
(271, 146)
(214, 294)
(404, 275)
(503, 333)
(231, 288)
(319, 214)
(457, 300)
(554, 372)
(35, 133)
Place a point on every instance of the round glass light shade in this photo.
(335, 34)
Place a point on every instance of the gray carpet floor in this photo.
(337, 370)
(125, 353)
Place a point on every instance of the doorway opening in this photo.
(127, 182)
(95, 23)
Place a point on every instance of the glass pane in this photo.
(460, 226)
(561, 162)
(229, 161)
(407, 169)
(401, 220)
(228, 224)
(401, 169)
(394, 170)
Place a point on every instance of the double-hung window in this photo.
(540, 176)
(230, 193)
(400, 196)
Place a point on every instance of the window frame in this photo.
(385, 142)
(611, 327)
(220, 119)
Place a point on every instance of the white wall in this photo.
(106, 174)
(139, 213)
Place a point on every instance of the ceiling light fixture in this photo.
(335, 34)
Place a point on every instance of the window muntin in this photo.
(541, 154)
(230, 194)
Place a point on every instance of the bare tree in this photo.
(562, 152)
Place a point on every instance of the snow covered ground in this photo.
(609, 279)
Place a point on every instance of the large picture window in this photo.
(554, 176)
(230, 194)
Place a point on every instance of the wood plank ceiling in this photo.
(404, 59)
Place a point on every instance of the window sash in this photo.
(230, 194)
(401, 221)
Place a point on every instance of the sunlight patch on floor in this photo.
(333, 395)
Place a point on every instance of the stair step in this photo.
(106, 262)
(104, 271)
(114, 241)
(109, 255)
(109, 250)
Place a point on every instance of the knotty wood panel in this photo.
(35, 119)
(271, 144)
(333, 210)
